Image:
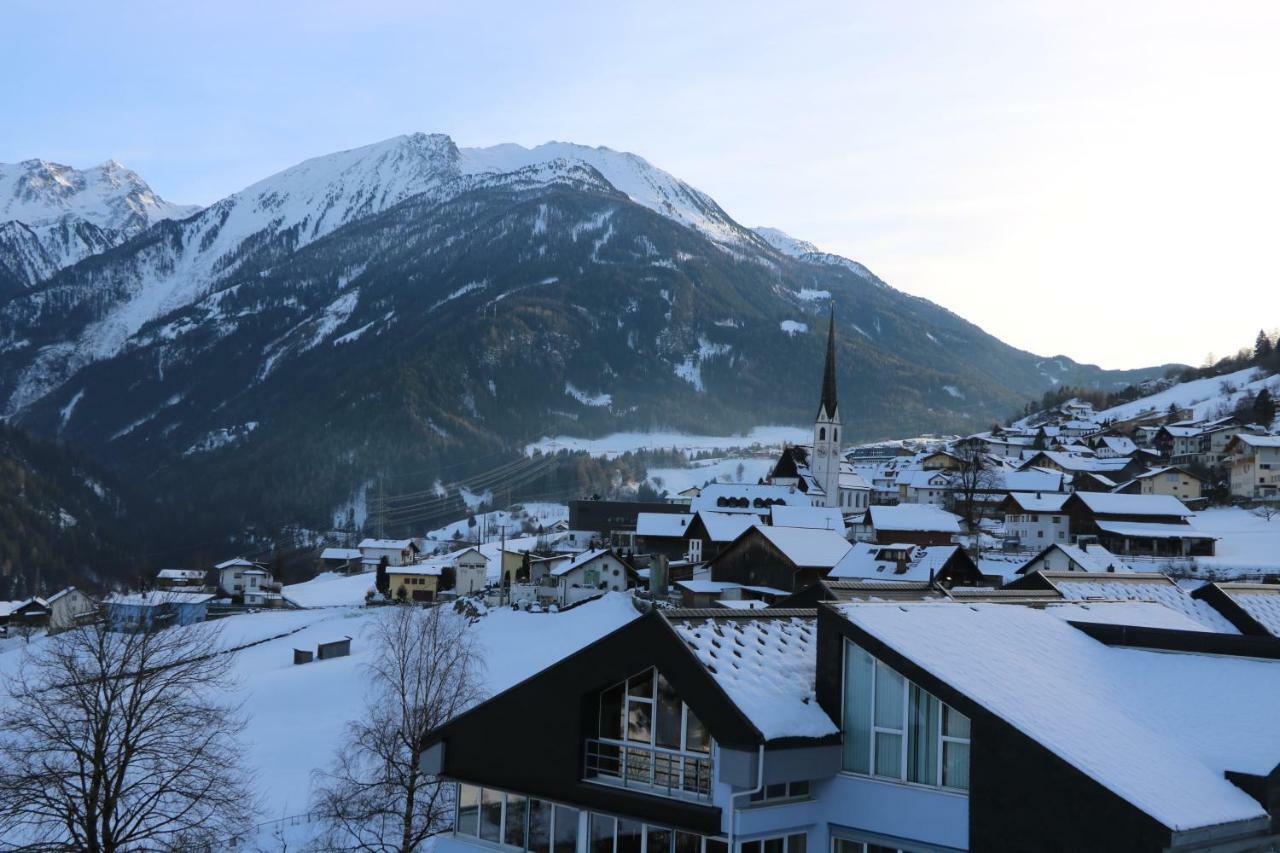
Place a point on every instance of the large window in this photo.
(647, 735)
(619, 835)
(781, 844)
(894, 729)
(516, 821)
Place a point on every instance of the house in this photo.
(662, 533)
(1078, 463)
(605, 521)
(1254, 465)
(1156, 525)
(184, 579)
(1113, 446)
(587, 575)
(1061, 557)
(471, 570)
(1170, 480)
(1035, 519)
(946, 565)
(29, 613)
(238, 577)
(701, 593)
(464, 572)
(864, 726)
(709, 532)
(915, 524)
(783, 558)
(69, 608)
(344, 560)
(155, 610)
(925, 486)
(398, 552)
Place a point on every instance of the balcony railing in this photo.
(650, 769)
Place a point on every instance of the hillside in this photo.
(415, 307)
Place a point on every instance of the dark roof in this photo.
(721, 613)
(829, 402)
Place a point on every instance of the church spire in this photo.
(828, 405)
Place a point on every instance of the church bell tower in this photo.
(825, 463)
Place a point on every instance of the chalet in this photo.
(709, 532)
(587, 575)
(1035, 519)
(154, 610)
(784, 558)
(1254, 465)
(183, 579)
(1137, 524)
(853, 728)
(662, 533)
(69, 608)
(925, 486)
(915, 524)
(29, 613)
(344, 560)
(1113, 446)
(397, 552)
(238, 577)
(946, 565)
(1061, 557)
(1171, 480)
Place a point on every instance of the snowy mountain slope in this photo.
(1205, 397)
(52, 216)
(785, 243)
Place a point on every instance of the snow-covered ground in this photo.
(296, 715)
(1247, 543)
(1204, 396)
(493, 522)
(732, 469)
(330, 589)
(622, 442)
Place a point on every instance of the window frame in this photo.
(873, 729)
(554, 815)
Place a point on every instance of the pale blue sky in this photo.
(1093, 178)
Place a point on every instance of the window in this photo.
(520, 822)
(591, 576)
(782, 844)
(468, 810)
(695, 550)
(894, 729)
(781, 792)
(490, 815)
(822, 433)
(614, 835)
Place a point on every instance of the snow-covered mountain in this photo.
(52, 216)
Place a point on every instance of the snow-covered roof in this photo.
(766, 665)
(698, 585)
(385, 544)
(1108, 503)
(579, 561)
(1032, 480)
(235, 562)
(724, 497)
(340, 554)
(1120, 444)
(1140, 723)
(1152, 530)
(806, 547)
(914, 518)
(662, 523)
(1039, 501)
(1260, 601)
(725, 527)
(432, 568)
(157, 597)
(742, 604)
(1079, 462)
(850, 479)
(1090, 558)
(180, 574)
(1140, 587)
(815, 517)
(1259, 440)
(866, 560)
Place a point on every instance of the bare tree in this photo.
(122, 741)
(975, 476)
(1266, 511)
(375, 798)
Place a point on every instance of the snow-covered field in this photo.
(622, 442)
(536, 512)
(296, 715)
(1247, 543)
(1204, 396)
(731, 469)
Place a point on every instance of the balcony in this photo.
(649, 769)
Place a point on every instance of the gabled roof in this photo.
(765, 661)
(814, 517)
(662, 524)
(913, 518)
(723, 526)
(340, 554)
(1038, 501)
(805, 547)
(386, 544)
(752, 498)
(1090, 558)
(1130, 586)
(180, 574)
(1140, 723)
(235, 562)
(868, 561)
(1258, 440)
(1110, 503)
(582, 559)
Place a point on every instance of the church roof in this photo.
(829, 402)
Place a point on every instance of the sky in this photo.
(1094, 179)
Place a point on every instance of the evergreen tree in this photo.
(1264, 408)
(381, 581)
(1263, 348)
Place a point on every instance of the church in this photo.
(820, 469)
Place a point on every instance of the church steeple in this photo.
(827, 408)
